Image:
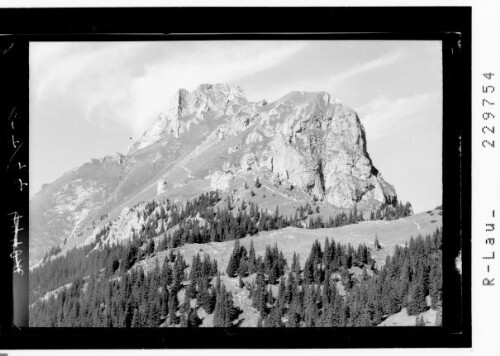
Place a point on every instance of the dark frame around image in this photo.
(450, 25)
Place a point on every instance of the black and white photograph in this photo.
(238, 183)
(248, 178)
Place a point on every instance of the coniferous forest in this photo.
(175, 225)
(338, 285)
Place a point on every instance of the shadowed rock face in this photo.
(305, 140)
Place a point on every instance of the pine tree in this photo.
(233, 265)
(173, 319)
(417, 303)
(296, 264)
(224, 312)
(231, 311)
(164, 302)
(436, 283)
(311, 308)
(193, 321)
(243, 267)
(191, 291)
(154, 313)
(183, 320)
(135, 319)
(309, 210)
(347, 279)
(260, 294)
(376, 243)
(252, 267)
(274, 318)
(215, 268)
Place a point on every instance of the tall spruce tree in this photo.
(417, 303)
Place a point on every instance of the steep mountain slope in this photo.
(302, 147)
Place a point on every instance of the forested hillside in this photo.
(155, 226)
(104, 284)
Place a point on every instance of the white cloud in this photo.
(383, 61)
(382, 117)
(130, 83)
(333, 82)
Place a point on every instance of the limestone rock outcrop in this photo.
(309, 140)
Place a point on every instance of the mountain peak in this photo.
(186, 107)
(221, 90)
(303, 147)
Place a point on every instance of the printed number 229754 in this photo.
(488, 130)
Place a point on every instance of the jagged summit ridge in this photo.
(186, 108)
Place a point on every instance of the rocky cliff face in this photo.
(318, 144)
(308, 140)
(304, 146)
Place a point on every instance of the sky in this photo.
(92, 99)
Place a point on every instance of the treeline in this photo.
(201, 221)
(329, 291)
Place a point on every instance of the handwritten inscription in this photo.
(16, 252)
(16, 145)
(5, 51)
(21, 184)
